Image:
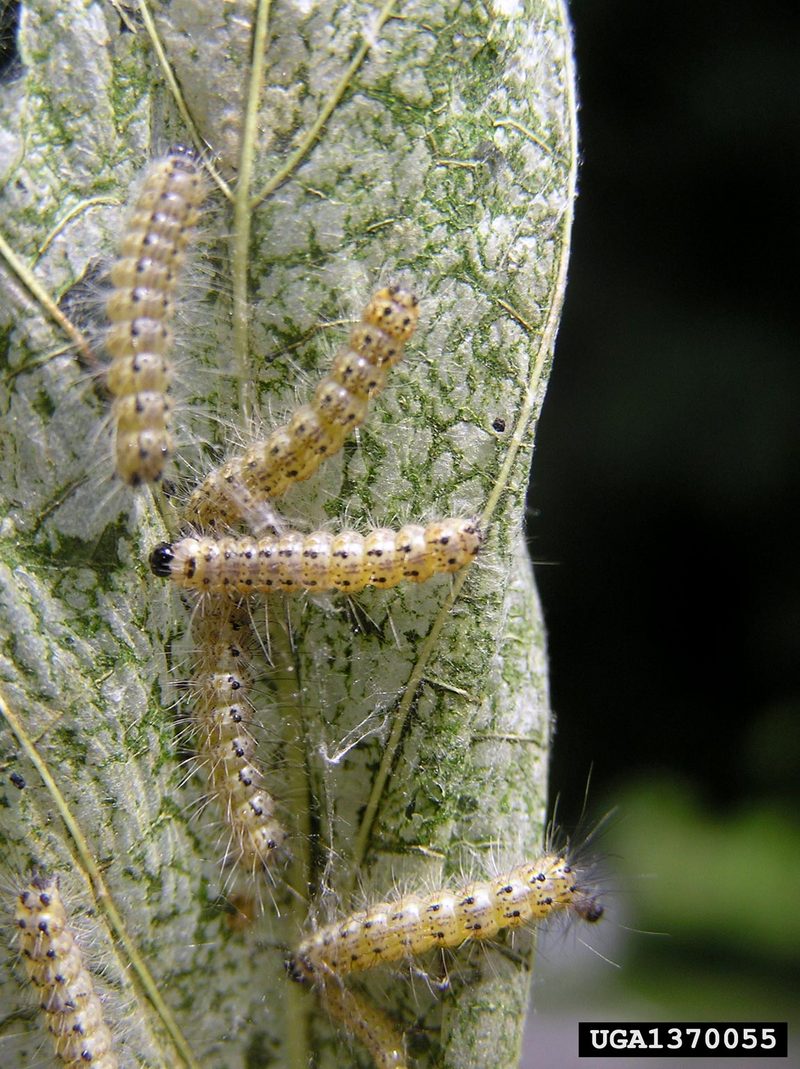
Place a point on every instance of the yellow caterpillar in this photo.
(317, 562)
(221, 713)
(140, 307)
(293, 452)
(392, 931)
(365, 1022)
(72, 1011)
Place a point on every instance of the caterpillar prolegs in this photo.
(317, 430)
(318, 562)
(72, 1010)
(140, 307)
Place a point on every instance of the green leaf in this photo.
(431, 143)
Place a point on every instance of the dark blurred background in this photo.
(665, 480)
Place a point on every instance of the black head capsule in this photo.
(590, 910)
(161, 560)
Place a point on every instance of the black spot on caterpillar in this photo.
(140, 307)
(317, 562)
(317, 430)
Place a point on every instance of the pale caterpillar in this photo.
(317, 562)
(72, 1010)
(365, 1022)
(226, 748)
(317, 430)
(140, 307)
(413, 924)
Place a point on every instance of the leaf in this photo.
(432, 143)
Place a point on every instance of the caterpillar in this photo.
(225, 746)
(409, 926)
(293, 453)
(72, 1010)
(317, 562)
(365, 1022)
(140, 307)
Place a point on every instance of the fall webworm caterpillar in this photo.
(140, 307)
(226, 747)
(413, 924)
(72, 1010)
(319, 561)
(365, 1022)
(317, 430)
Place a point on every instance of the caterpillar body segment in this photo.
(414, 924)
(140, 307)
(318, 562)
(72, 1010)
(317, 430)
(226, 748)
(365, 1022)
